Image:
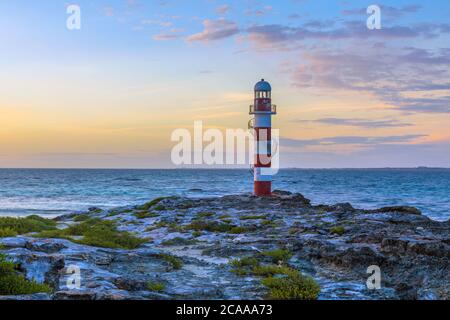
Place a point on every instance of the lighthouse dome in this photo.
(263, 86)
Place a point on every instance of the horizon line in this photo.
(162, 168)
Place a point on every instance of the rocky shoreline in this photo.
(188, 246)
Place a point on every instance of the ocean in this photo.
(51, 192)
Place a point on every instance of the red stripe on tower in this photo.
(263, 111)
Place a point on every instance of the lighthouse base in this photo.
(263, 188)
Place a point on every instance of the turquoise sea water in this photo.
(53, 192)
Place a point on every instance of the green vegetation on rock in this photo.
(156, 286)
(339, 230)
(179, 242)
(10, 227)
(278, 255)
(291, 284)
(196, 234)
(81, 217)
(150, 204)
(145, 214)
(282, 281)
(7, 232)
(175, 263)
(201, 215)
(269, 223)
(211, 226)
(186, 205)
(244, 265)
(241, 229)
(96, 233)
(254, 217)
(13, 283)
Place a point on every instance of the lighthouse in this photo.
(262, 110)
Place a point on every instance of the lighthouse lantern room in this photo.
(262, 110)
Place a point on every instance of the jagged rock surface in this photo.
(334, 244)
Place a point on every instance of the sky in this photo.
(110, 94)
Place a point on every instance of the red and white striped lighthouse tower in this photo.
(263, 111)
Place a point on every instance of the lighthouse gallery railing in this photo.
(273, 109)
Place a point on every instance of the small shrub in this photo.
(239, 230)
(269, 223)
(13, 283)
(156, 286)
(186, 205)
(145, 214)
(7, 232)
(270, 270)
(150, 204)
(244, 265)
(278, 255)
(211, 226)
(292, 285)
(97, 233)
(26, 225)
(161, 224)
(81, 217)
(54, 234)
(179, 242)
(204, 215)
(255, 217)
(175, 262)
(196, 234)
(114, 213)
(245, 262)
(339, 230)
(283, 282)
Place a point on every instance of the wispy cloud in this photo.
(160, 23)
(215, 30)
(280, 37)
(389, 11)
(259, 11)
(362, 123)
(350, 140)
(223, 9)
(390, 74)
(165, 36)
(108, 11)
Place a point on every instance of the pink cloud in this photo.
(215, 30)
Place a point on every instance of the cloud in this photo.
(165, 36)
(160, 23)
(350, 140)
(223, 9)
(259, 11)
(390, 74)
(388, 11)
(280, 36)
(363, 123)
(215, 30)
(430, 105)
(132, 3)
(108, 11)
